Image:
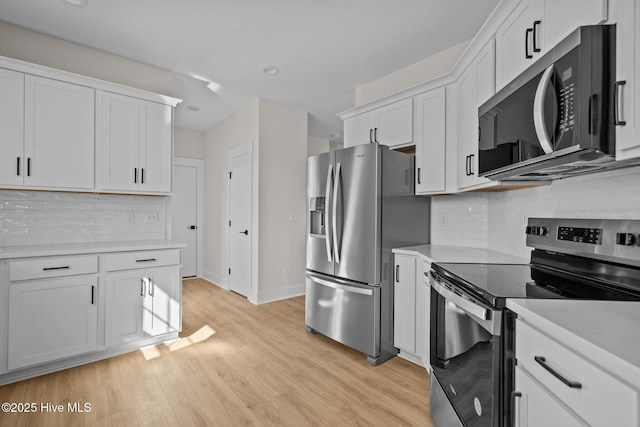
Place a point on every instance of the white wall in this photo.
(282, 187)
(30, 46)
(412, 75)
(317, 146)
(188, 143)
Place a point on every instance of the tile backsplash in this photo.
(41, 217)
(496, 220)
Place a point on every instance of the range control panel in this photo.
(581, 235)
(610, 239)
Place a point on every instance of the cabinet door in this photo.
(119, 126)
(394, 124)
(537, 407)
(11, 127)
(161, 311)
(404, 303)
(51, 319)
(155, 155)
(476, 83)
(358, 130)
(563, 17)
(626, 15)
(514, 41)
(430, 142)
(59, 134)
(125, 292)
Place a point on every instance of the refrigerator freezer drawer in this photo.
(344, 311)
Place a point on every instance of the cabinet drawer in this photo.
(142, 259)
(598, 388)
(42, 268)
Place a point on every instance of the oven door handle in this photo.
(468, 306)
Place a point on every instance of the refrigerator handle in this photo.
(328, 223)
(336, 188)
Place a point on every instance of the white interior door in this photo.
(239, 165)
(186, 216)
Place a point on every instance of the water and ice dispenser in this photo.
(316, 215)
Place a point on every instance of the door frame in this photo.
(245, 148)
(199, 165)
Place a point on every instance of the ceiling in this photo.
(323, 49)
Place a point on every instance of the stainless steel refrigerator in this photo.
(360, 205)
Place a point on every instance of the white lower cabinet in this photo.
(142, 302)
(411, 309)
(535, 406)
(563, 388)
(51, 318)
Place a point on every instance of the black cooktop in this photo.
(493, 283)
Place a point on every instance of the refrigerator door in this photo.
(356, 213)
(320, 246)
(345, 311)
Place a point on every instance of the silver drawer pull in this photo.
(66, 267)
(542, 361)
(146, 260)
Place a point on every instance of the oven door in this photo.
(465, 358)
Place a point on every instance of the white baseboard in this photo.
(279, 294)
(411, 357)
(220, 281)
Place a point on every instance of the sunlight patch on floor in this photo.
(151, 352)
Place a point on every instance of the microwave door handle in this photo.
(336, 188)
(538, 111)
(328, 226)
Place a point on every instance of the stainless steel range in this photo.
(472, 334)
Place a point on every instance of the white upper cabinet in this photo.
(626, 15)
(475, 86)
(430, 142)
(535, 26)
(47, 132)
(390, 125)
(11, 126)
(136, 140)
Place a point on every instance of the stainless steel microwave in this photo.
(557, 118)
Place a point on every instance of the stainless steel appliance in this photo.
(472, 334)
(360, 205)
(557, 118)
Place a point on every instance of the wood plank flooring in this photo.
(236, 364)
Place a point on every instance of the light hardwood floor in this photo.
(237, 364)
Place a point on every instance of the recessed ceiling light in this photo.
(193, 108)
(78, 3)
(271, 69)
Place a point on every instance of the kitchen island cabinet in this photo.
(66, 305)
(579, 356)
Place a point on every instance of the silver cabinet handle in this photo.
(327, 199)
(152, 286)
(397, 273)
(336, 189)
(616, 103)
(142, 286)
(542, 361)
(538, 111)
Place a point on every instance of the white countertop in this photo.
(607, 332)
(85, 248)
(444, 253)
